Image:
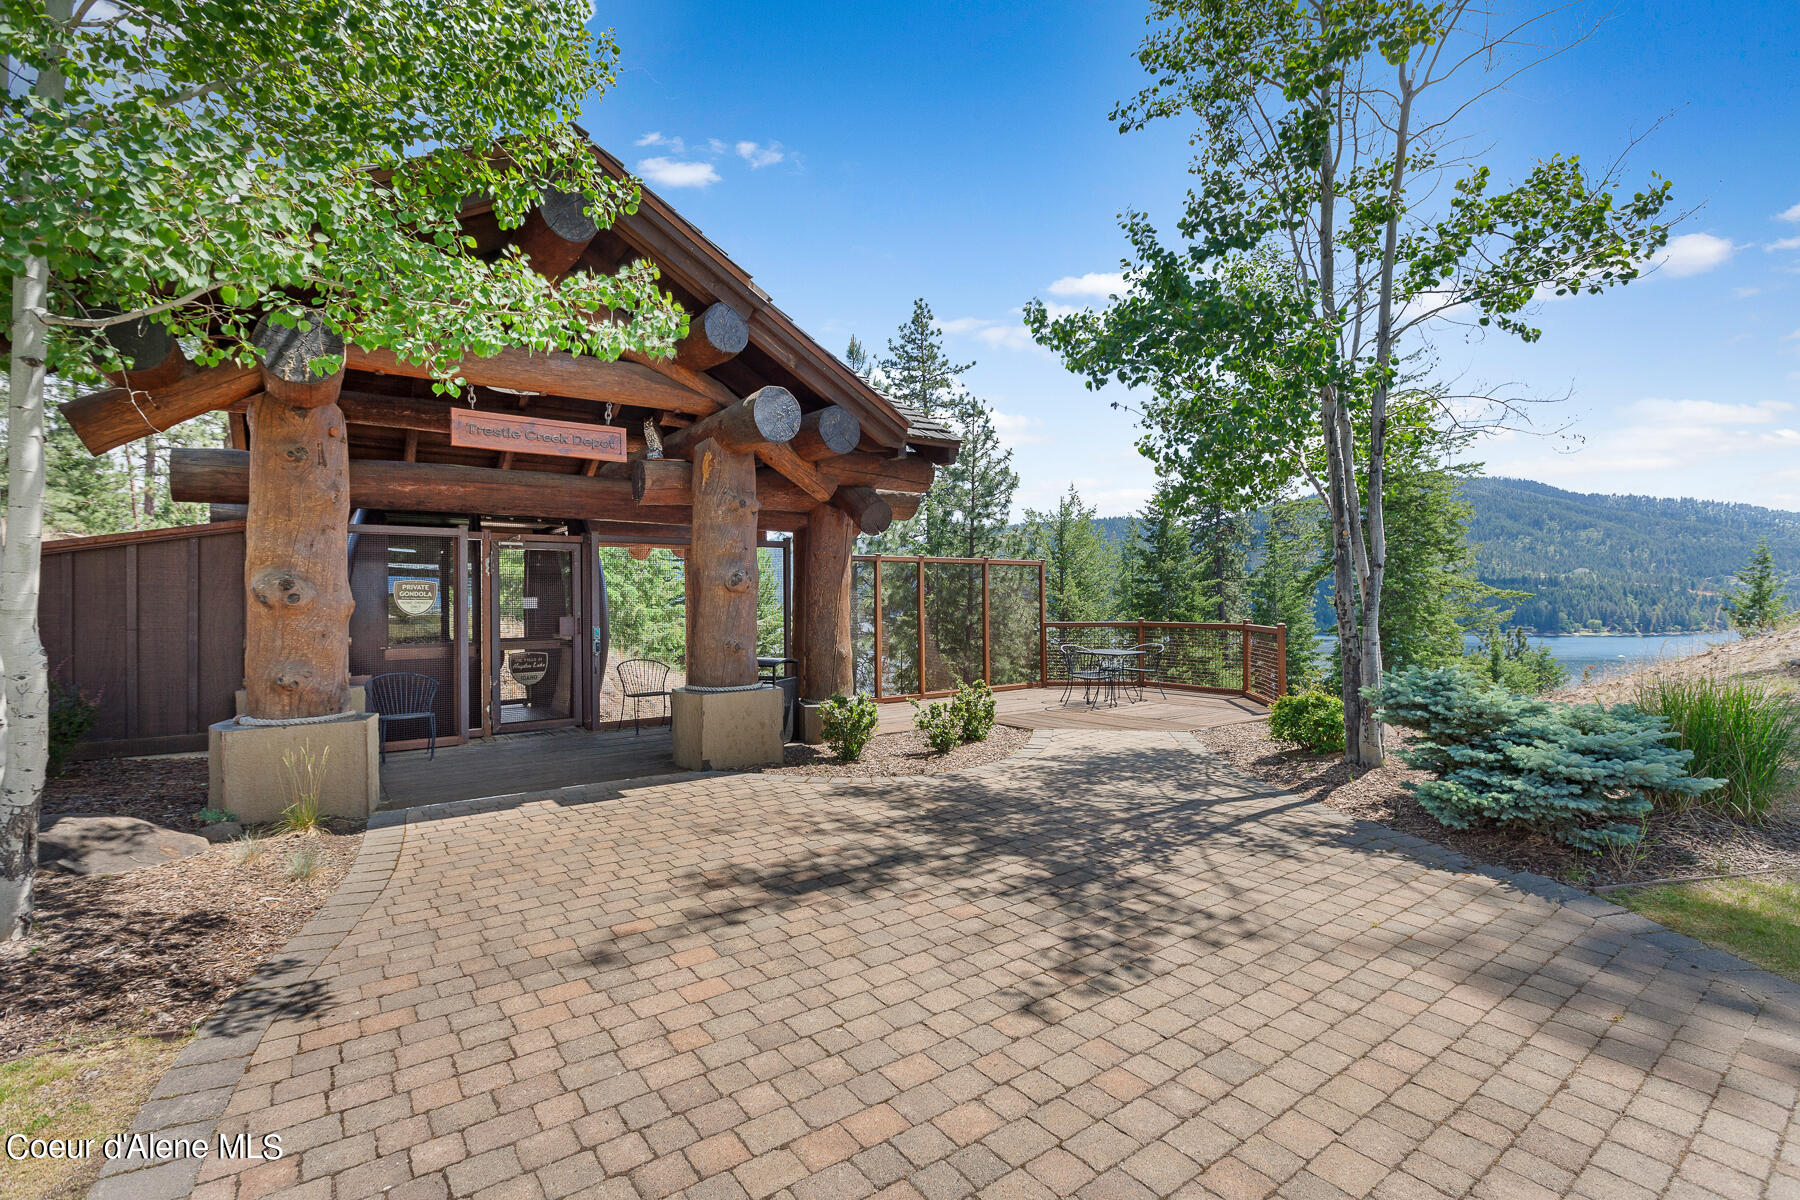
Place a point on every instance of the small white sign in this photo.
(531, 602)
(527, 666)
(414, 597)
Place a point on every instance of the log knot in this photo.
(280, 587)
(291, 676)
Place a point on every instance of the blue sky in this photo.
(853, 157)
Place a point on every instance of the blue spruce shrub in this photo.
(1581, 773)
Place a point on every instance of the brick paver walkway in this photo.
(1108, 969)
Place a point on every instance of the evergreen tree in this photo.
(1757, 600)
(1158, 576)
(1220, 542)
(1079, 564)
(856, 357)
(916, 369)
(970, 503)
(1287, 576)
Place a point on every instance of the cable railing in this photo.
(1237, 659)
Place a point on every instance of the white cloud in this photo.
(673, 145)
(1791, 243)
(760, 155)
(1792, 214)
(1693, 254)
(1006, 335)
(1663, 413)
(1095, 284)
(1017, 429)
(1744, 293)
(674, 173)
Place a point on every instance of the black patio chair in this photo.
(641, 679)
(404, 696)
(1098, 676)
(1068, 650)
(1149, 667)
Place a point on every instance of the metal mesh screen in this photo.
(1195, 654)
(899, 628)
(954, 650)
(862, 626)
(1013, 614)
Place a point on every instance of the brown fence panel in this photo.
(1268, 662)
(924, 626)
(150, 626)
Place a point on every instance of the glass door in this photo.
(535, 602)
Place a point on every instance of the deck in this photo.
(552, 759)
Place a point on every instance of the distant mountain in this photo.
(1619, 563)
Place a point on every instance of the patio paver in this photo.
(1111, 967)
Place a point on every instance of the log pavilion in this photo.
(374, 510)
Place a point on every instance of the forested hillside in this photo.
(1627, 562)
(1622, 564)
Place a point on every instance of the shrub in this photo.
(303, 863)
(214, 816)
(940, 723)
(848, 725)
(974, 711)
(1581, 773)
(72, 714)
(1745, 733)
(1510, 660)
(1313, 719)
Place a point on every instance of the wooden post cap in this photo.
(287, 353)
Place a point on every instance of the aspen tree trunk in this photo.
(25, 742)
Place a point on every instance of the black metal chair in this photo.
(404, 696)
(1149, 667)
(1097, 675)
(641, 679)
(1068, 650)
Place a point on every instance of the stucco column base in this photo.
(245, 774)
(812, 722)
(724, 731)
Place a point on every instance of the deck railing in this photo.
(1203, 656)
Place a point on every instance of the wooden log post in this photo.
(722, 569)
(152, 355)
(296, 575)
(825, 666)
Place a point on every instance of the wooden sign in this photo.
(414, 597)
(535, 435)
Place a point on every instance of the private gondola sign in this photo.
(414, 597)
(527, 666)
(535, 435)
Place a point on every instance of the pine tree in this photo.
(856, 357)
(1079, 564)
(1757, 600)
(916, 369)
(970, 502)
(1286, 580)
(1220, 542)
(1158, 576)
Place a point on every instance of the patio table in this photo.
(1116, 668)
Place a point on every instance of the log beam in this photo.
(766, 416)
(722, 568)
(113, 417)
(866, 507)
(825, 665)
(153, 357)
(827, 433)
(904, 505)
(579, 377)
(556, 233)
(717, 335)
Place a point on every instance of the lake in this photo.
(1610, 653)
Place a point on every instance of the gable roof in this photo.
(697, 266)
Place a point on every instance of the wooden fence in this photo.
(150, 626)
(1202, 656)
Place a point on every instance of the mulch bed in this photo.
(163, 791)
(1695, 842)
(906, 753)
(154, 951)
